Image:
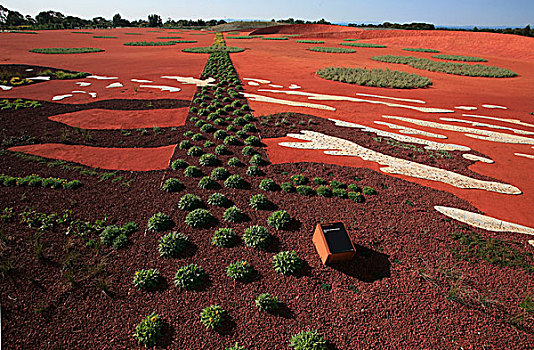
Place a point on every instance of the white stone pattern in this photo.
(261, 81)
(162, 87)
(114, 85)
(393, 165)
(406, 130)
(392, 98)
(261, 98)
(494, 107)
(101, 77)
(485, 125)
(190, 80)
(513, 121)
(476, 158)
(530, 156)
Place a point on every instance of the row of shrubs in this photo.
(38, 181)
(18, 104)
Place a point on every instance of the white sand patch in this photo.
(531, 242)
(253, 83)
(260, 98)
(83, 83)
(61, 97)
(92, 94)
(430, 145)
(261, 81)
(43, 78)
(78, 92)
(476, 158)
(141, 81)
(294, 86)
(530, 156)
(482, 221)
(485, 125)
(29, 70)
(466, 108)
(513, 121)
(101, 77)
(469, 132)
(162, 87)
(410, 131)
(114, 85)
(494, 107)
(392, 98)
(321, 97)
(190, 80)
(276, 86)
(393, 165)
(5, 87)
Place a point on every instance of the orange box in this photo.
(333, 242)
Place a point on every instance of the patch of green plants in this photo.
(310, 41)
(267, 302)
(213, 316)
(234, 162)
(18, 104)
(274, 38)
(37, 181)
(363, 45)
(224, 237)
(257, 237)
(356, 197)
(147, 279)
(384, 78)
(212, 49)
(66, 50)
(207, 183)
(172, 244)
(149, 43)
(351, 39)
(287, 263)
(528, 304)
(172, 185)
(104, 37)
(117, 236)
(268, 185)
(218, 200)
(369, 191)
(199, 218)
(189, 277)
(234, 215)
(240, 271)
(192, 171)
(254, 171)
(415, 49)
(208, 159)
(331, 49)
(279, 219)
(253, 141)
(236, 346)
(324, 191)
(308, 340)
(305, 190)
(259, 202)
(189, 202)
(460, 58)
(179, 164)
(149, 330)
(160, 222)
(464, 69)
(235, 181)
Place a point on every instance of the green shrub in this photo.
(208, 144)
(220, 174)
(234, 161)
(354, 188)
(279, 219)
(266, 302)
(420, 50)
(207, 183)
(207, 128)
(253, 141)
(287, 187)
(258, 160)
(220, 134)
(189, 276)
(339, 192)
(319, 181)
(149, 330)
(310, 41)
(218, 200)
(172, 185)
(356, 197)
(337, 184)
(224, 237)
(324, 191)
(308, 340)
(331, 49)
(208, 159)
(231, 140)
(235, 181)
(160, 222)
(222, 150)
(268, 185)
(299, 179)
(241, 134)
(149, 43)
(236, 347)
(256, 237)
(117, 236)
(66, 50)
(212, 316)
(147, 279)
(240, 271)
(254, 171)
(188, 133)
(195, 151)
(364, 45)
(192, 171)
(212, 49)
(179, 164)
(287, 263)
(374, 77)
(248, 151)
(234, 214)
(305, 190)
(172, 244)
(369, 191)
(190, 202)
(199, 218)
(460, 58)
(249, 127)
(259, 202)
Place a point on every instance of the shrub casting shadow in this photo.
(368, 265)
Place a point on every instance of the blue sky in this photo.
(451, 12)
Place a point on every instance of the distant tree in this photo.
(117, 20)
(154, 20)
(101, 22)
(3, 14)
(15, 18)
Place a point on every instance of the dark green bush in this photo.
(189, 277)
(254, 171)
(339, 192)
(218, 200)
(287, 263)
(287, 187)
(224, 237)
(356, 197)
(213, 316)
(369, 191)
(337, 184)
(235, 181)
(220, 134)
(147, 279)
(172, 244)
(234, 161)
(374, 77)
(324, 191)
(253, 141)
(222, 150)
(207, 128)
(364, 45)
(172, 185)
(220, 173)
(305, 190)
(268, 185)
(192, 171)
(149, 330)
(258, 160)
(256, 237)
(179, 164)
(190, 202)
(259, 202)
(279, 219)
(231, 140)
(240, 271)
(208, 159)
(299, 179)
(354, 188)
(197, 137)
(266, 302)
(207, 183)
(208, 144)
(234, 214)
(199, 218)
(319, 181)
(160, 222)
(308, 340)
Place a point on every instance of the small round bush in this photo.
(369, 191)
(305, 190)
(199, 123)
(218, 200)
(308, 340)
(248, 151)
(236, 346)
(212, 316)
(208, 159)
(356, 197)
(207, 128)
(287, 263)
(179, 164)
(195, 151)
(220, 134)
(234, 214)
(234, 161)
(220, 174)
(224, 237)
(189, 276)
(354, 188)
(68, 185)
(258, 160)
(147, 279)
(192, 171)
(208, 144)
(252, 141)
(230, 128)
(268, 185)
(240, 271)
(172, 185)
(222, 150)
(207, 183)
(172, 244)
(199, 218)
(266, 302)
(160, 222)
(259, 202)
(324, 191)
(279, 219)
(235, 181)
(149, 330)
(239, 121)
(231, 140)
(299, 179)
(254, 171)
(185, 144)
(190, 202)
(340, 193)
(287, 187)
(241, 134)
(256, 237)
(249, 128)
(319, 181)
(337, 184)
(197, 137)
(188, 133)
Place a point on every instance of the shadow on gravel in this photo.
(283, 311)
(227, 327)
(168, 334)
(368, 265)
